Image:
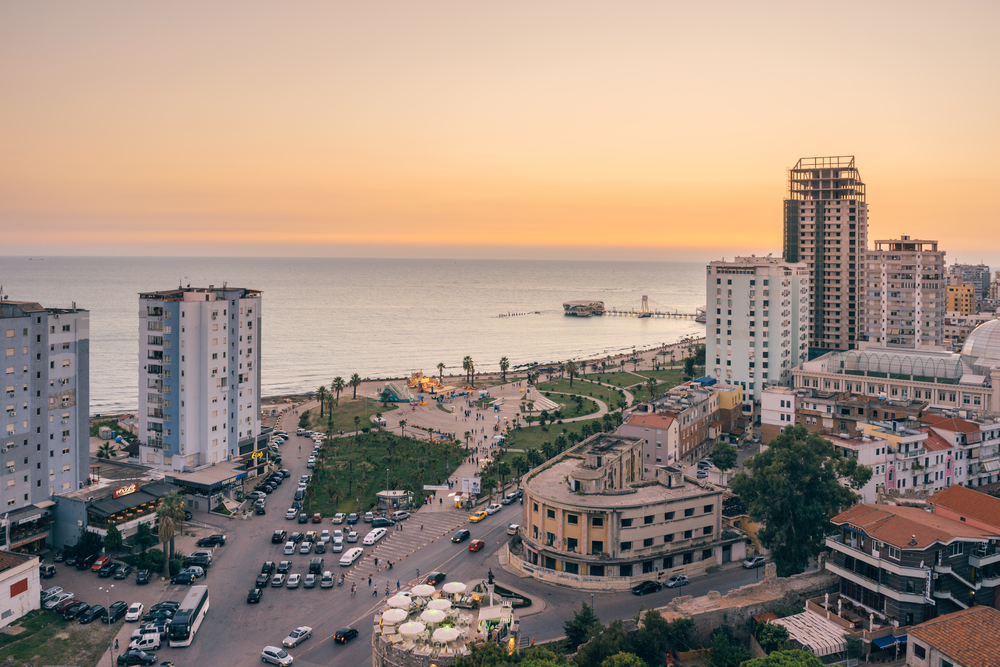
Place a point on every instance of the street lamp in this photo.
(107, 610)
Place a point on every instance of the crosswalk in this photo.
(398, 544)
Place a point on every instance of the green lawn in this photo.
(532, 437)
(617, 378)
(49, 640)
(583, 388)
(343, 415)
(353, 468)
(672, 376)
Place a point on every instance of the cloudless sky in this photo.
(645, 130)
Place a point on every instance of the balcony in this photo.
(850, 548)
(874, 586)
(981, 561)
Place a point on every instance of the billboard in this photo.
(473, 485)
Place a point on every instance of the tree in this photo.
(338, 386)
(385, 396)
(623, 659)
(726, 651)
(855, 647)
(651, 385)
(560, 442)
(144, 537)
(113, 540)
(605, 644)
(171, 514)
(771, 636)
(357, 425)
(402, 427)
(166, 537)
(519, 464)
(88, 544)
(723, 456)
(570, 369)
(441, 371)
(679, 634)
(321, 397)
(467, 366)
(689, 366)
(651, 642)
(792, 658)
(579, 628)
(794, 489)
(355, 382)
(106, 451)
(503, 470)
(535, 458)
(504, 367)
(378, 420)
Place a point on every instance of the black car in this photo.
(85, 563)
(169, 605)
(295, 537)
(71, 560)
(184, 578)
(114, 612)
(284, 567)
(136, 657)
(277, 479)
(434, 578)
(461, 536)
(142, 577)
(646, 587)
(268, 567)
(89, 615)
(381, 522)
(212, 541)
(75, 610)
(58, 557)
(254, 595)
(286, 472)
(159, 615)
(123, 571)
(344, 635)
(268, 489)
(260, 510)
(200, 560)
(279, 537)
(320, 548)
(352, 518)
(262, 579)
(187, 515)
(107, 570)
(303, 518)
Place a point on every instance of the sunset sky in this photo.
(623, 130)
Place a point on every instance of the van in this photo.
(316, 566)
(399, 515)
(148, 642)
(350, 556)
(45, 571)
(509, 498)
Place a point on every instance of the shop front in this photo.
(28, 529)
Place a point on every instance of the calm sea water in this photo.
(374, 317)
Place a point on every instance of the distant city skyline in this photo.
(562, 131)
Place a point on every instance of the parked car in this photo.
(107, 570)
(75, 610)
(275, 656)
(676, 581)
(123, 571)
(369, 517)
(754, 561)
(399, 515)
(512, 529)
(99, 563)
(352, 536)
(262, 579)
(50, 593)
(212, 541)
(197, 571)
(291, 514)
(493, 509)
(71, 560)
(46, 571)
(57, 599)
(184, 578)
(268, 567)
(89, 614)
(509, 498)
(142, 577)
(646, 587)
(136, 658)
(61, 607)
(259, 510)
(434, 578)
(306, 547)
(381, 522)
(374, 536)
(303, 518)
(284, 567)
(476, 545)
(170, 605)
(339, 517)
(147, 642)
(350, 556)
(289, 548)
(297, 636)
(344, 635)
(461, 536)
(253, 596)
(134, 612)
(352, 518)
(277, 581)
(117, 610)
(320, 548)
(309, 581)
(326, 581)
(317, 518)
(59, 557)
(279, 536)
(476, 517)
(294, 580)
(86, 563)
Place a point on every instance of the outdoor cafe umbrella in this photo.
(440, 603)
(400, 602)
(454, 587)
(423, 590)
(432, 616)
(393, 616)
(411, 628)
(446, 634)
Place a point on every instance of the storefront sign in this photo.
(125, 490)
(33, 517)
(927, 590)
(257, 455)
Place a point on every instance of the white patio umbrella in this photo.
(400, 602)
(393, 616)
(454, 587)
(446, 634)
(411, 628)
(423, 590)
(440, 603)
(432, 616)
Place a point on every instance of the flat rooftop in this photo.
(179, 293)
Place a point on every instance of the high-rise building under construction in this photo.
(826, 227)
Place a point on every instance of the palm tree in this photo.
(378, 420)
(466, 364)
(635, 363)
(570, 369)
(166, 533)
(468, 436)
(402, 427)
(441, 371)
(338, 385)
(519, 464)
(535, 458)
(355, 382)
(171, 513)
(321, 394)
(357, 425)
(503, 470)
(106, 451)
(504, 366)
(651, 384)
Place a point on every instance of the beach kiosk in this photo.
(394, 500)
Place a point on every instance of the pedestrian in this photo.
(421, 525)
(369, 579)
(375, 592)
(116, 643)
(397, 585)
(354, 590)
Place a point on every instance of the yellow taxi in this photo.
(476, 517)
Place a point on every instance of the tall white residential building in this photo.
(826, 226)
(45, 423)
(756, 322)
(904, 296)
(199, 375)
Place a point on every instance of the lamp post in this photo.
(107, 610)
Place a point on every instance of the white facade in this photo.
(777, 410)
(199, 375)
(756, 321)
(872, 452)
(20, 586)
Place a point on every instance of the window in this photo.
(894, 553)
(688, 534)
(646, 520)
(572, 519)
(626, 546)
(707, 530)
(919, 651)
(597, 522)
(689, 511)
(709, 508)
(668, 562)
(955, 549)
(648, 542)
(706, 554)
(668, 516)
(550, 514)
(626, 523)
(668, 538)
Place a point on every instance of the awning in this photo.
(991, 466)
(888, 640)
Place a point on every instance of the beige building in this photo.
(904, 294)
(592, 519)
(696, 408)
(961, 298)
(826, 226)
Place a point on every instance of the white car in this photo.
(512, 529)
(294, 580)
(276, 656)
(311, 463)
(326, 581)
(134, 612)
(350, 556)
(51, 592)
(56, 599)
(337, 545)
(297, 636)
(324, 535)
(291, 513)
(374, 536)
(289, 548)
(306, 547)
(352, 536)
(338, 534)
(494, 508)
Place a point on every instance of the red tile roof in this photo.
(934, 442)
(953, 424)
(969, 502)
(651, 421)
(970, 637)
(899, 526)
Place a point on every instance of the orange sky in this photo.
(517, 129)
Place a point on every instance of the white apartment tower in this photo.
(199, 375)
(904, 294)
(756, 321)
(826, 226)
(46, 431)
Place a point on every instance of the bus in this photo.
(185, 623)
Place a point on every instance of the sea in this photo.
(380, 318)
